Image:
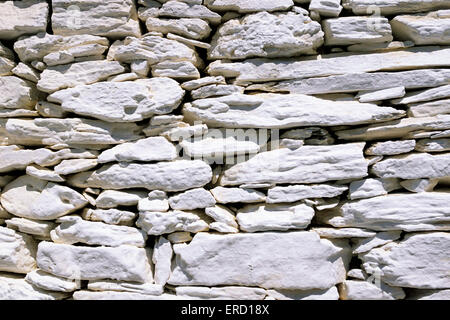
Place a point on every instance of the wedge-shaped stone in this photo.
(167, 176)
(261, 70)
(22, 17)
(409, 212)
(360, 82)
(38, 228)
(198, 198)
(13, 157)
(352, 30)
(127, 101)
(307, 164)
(388, 7)
(158, 223)
(126, 263)
(71, 132)
(14, 287)
(381, 238)
(365, 290)
(72, 75)
(18, 252)
(17, 93)
(336, 233)
(283, 111)
(192, 28)
(414, 166)
(246, 6)
(205, 81)
(183, 9)
(47, 281)
(300, 192)
(420, 260)
(266, 35)
(115, 18)
(274, 217)
(423, 29)
(149, 149)
(73, 229)
(215, 91)
(178, 70)
(425, 95)
(368, 188)
(396, 129)
(154, 49)
(35, 48)
(75, 165)
(32, 198)
(212, 259)
(230, 195)
(429, 109)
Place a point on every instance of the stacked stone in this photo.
(225, 149)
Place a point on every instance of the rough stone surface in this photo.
(18, 251)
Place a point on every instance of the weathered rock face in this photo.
(224, 149)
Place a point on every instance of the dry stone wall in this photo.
(225, 149)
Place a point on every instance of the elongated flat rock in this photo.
(22, 17)
(429, 109)
(32, 198)
(15, 287)
(125, 263)
(183, 9)
(230, 195)
(167, 176)
(307, 164)
(158, 223)
(18, 251)
(246, 6)
(127, 101)
(254, 35)
(261, 70)
(283, 111)
(299, 192)
(115, 18)
(191, 28)
(414, 166)
(424, 211)
(72, 132)
(418, 261)
(388, 7)
(212, 259)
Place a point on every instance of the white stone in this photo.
(33, 227)
(246, 6)
(110, 216)
(115, 18)
(332, 233)
(326, 8)
(162, 259)
(327, 294)
(389, 7)
(409, 212)
(47, 281)
(6, 66)
(352, 30)
(433, 145)
(178, 70)
(188, 42)
(388, 148)
(364, 290)
(26, 72)
(222, 293)
(126, 263)
(206, 81)
(111, 285)
(425, 95)
(18, 251)
(75, 165)
(22, 17)
(223, 215)
(281, 111)
(114, 198)
(371, 187)
(378, 95)
(156, 201)
(274, 217)
(429, 109)
(212, 259)
(230, 195)
(192, 199)
(299, 192)
(418, 261)
(307, 164)
(73, 229)
(266, 35)
(222, 227)
(157, 223)
(419, 185)
(14, 287)
(179, 9)
(43, 173)
(414, 166)
(215, 90)
(17, 93)
(192, 28)
(381, 238)
(32, 198)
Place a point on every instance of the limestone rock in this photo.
(414, 166)
(215, 90)
(32, 198)
(364, 290)
(110, 216)
(299, 192)
(246, 6)
(307, 164)
(18, 252)
(206, 81)
(17, 93)
(418, 261)
(33, 227)
(388, 148)
(281, 111)
(73, 229)
(370, 187)
(22, 17)
(192, 199)
(179, 237)
(266, 35)
(409, 212)
(221, 293)
(192, 28)
(274, 217)
(126, 263)
(389, 7)
(332, 233)
(115, 18)
(222, 215)
(47, 281)
(14, 287)
(162, 259)
(75, 74)
(381, 238)
(212, 259)
(352, 30)
(378, 95)
(158, 223)
(178, 70)
(429, 109)
(140, 288)
(26, 72)
(179, 9)
(326, 8)
(114, 198)
(425, 95)
(75, 165)
(433, 145)
(419, 185)
(230, 195)
(156, 201)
